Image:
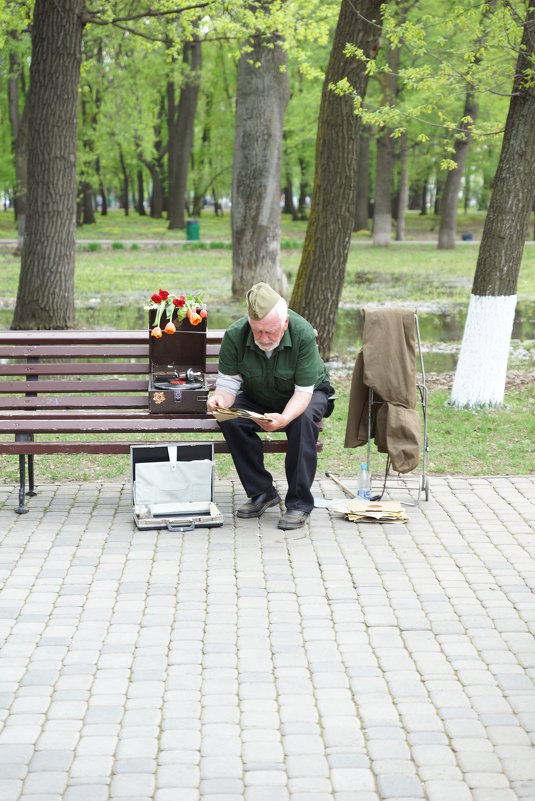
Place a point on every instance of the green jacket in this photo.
(271, 382)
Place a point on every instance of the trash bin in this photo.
(192, 230)
(467, 236)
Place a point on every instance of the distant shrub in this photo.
(94, 246)
(117, 245)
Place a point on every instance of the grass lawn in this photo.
(113, 283)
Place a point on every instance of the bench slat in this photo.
(88, 337)
(114, 446)
(108, 424)
(73, 402)
(97, 351)
(102, 385)
(74, 368)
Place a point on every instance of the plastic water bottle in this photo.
(363, 490)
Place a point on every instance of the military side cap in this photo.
(261, 299)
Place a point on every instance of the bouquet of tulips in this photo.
(179, 306)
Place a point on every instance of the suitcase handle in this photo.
(177, 527)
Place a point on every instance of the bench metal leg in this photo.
(21, 509)
(31, 485)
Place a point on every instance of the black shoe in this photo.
(258, 505)
(293, 518)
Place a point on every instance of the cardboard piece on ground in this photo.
(358, 511)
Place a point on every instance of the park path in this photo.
(335, 663)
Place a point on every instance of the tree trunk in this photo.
(45, 296)
(423, 199)
(382, 210)
(482, 366)
(363, 182)
(452, 187)
(19, 132)
(140, 194)
(403, 195)
(304, 190)
(182, 120)
(382, 214)
(320, 278)
(101, 189)
(262, 93)
(156, 198)
(126, 190)
(289, 207)
(88, 214)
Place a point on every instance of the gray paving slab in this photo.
(339, 662)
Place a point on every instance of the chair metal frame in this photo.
(402, 483)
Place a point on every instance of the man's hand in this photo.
(220, 398)
(295, 406)
(276, 422)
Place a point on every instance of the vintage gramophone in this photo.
(177, 381)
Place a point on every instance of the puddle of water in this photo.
(441, 330)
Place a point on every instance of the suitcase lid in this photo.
(184, 349)
(184, 451)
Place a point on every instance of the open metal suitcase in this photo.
(173, 486)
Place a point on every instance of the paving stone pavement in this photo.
(339, 662)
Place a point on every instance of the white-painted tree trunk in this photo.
(482, 366)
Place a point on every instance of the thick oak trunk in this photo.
(482, 367)
(262, 94)
(46, 288)
(320, 278)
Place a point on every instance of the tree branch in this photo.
(94, 18)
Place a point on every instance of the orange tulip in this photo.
(203, 313)
(170, 328)
(156, 332)
(194, 318)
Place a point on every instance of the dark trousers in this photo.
(301, 456)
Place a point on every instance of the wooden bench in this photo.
(89, 383)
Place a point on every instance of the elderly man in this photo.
(269, 363)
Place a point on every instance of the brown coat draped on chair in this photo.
(386, 363)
